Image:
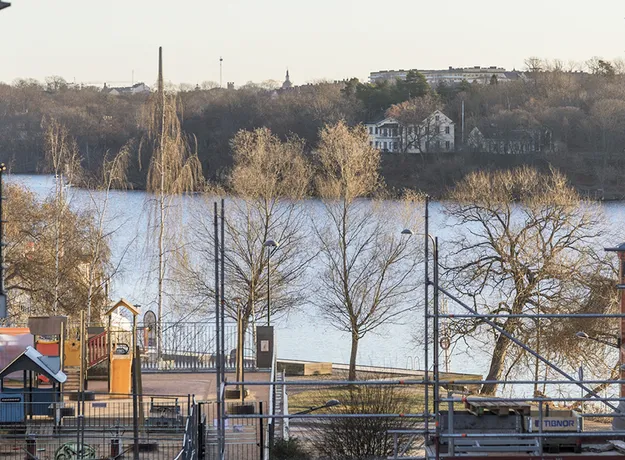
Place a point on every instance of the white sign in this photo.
(552, 424)
(264, 345)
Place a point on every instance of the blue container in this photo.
(11, 408)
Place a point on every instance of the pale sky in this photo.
(104, 41)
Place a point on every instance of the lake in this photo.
(303, 334)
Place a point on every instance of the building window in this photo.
(385, 132)
(376, 130)
(395, 146)
(446, 129)
(448, 145)
(370, 129)
(395, 132)
(438, 117)
(376, 144)
(371, 143)
(437, 130)
(385, 146)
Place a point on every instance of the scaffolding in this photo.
(497, 427)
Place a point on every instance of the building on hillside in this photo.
(287, 81)
(451, 76)
(435, 134)
(138, 88)
(513, 142)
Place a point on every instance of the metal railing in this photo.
(52, 426)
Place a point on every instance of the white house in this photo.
(137, 88)
(435, 134)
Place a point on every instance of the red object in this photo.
(97, 349)
(48, 348)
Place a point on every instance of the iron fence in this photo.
(190, 347)
(244, 437)
(61, 429)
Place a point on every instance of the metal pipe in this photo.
(436, 338)
(223, 331)
(504, 400)
(218, 353)
(421, 382)
(528, 349)
(426, 308)
(586, 434)
(289, 416)
(531, 315)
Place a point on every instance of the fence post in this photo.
(262, 431)
(200, 433)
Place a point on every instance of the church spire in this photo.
(287, 82)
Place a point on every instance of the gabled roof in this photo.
(383, 121)
(123, 303)
(32, 360)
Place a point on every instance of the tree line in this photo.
(582, 110)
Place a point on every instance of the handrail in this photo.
(97, 349)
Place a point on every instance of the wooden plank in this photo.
(618, 445)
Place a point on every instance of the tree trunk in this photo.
(352, 357)
(496, 364)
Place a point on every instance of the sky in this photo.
(93, 41)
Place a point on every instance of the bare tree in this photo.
(366, 264)
(269, 178)
(524, 244)
(63, 160)
(112, 176)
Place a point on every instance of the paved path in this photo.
(202, 385)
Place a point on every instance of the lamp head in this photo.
(333, 402)
(407, 231)
(271, 244)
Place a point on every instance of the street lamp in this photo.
(4, 5)
(330, 403)
(272, 246)
(426, 284)
(583, 335)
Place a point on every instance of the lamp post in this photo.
(620, 250)
(426, 377)
(330, 403)
(272, 246)
(4, 5)
(583, 335)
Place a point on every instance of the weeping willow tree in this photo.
(174, 170)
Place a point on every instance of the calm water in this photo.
(303, 334)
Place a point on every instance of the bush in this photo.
(288, 449)
(363, 438)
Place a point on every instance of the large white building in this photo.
(435, 134)
(477, 74)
